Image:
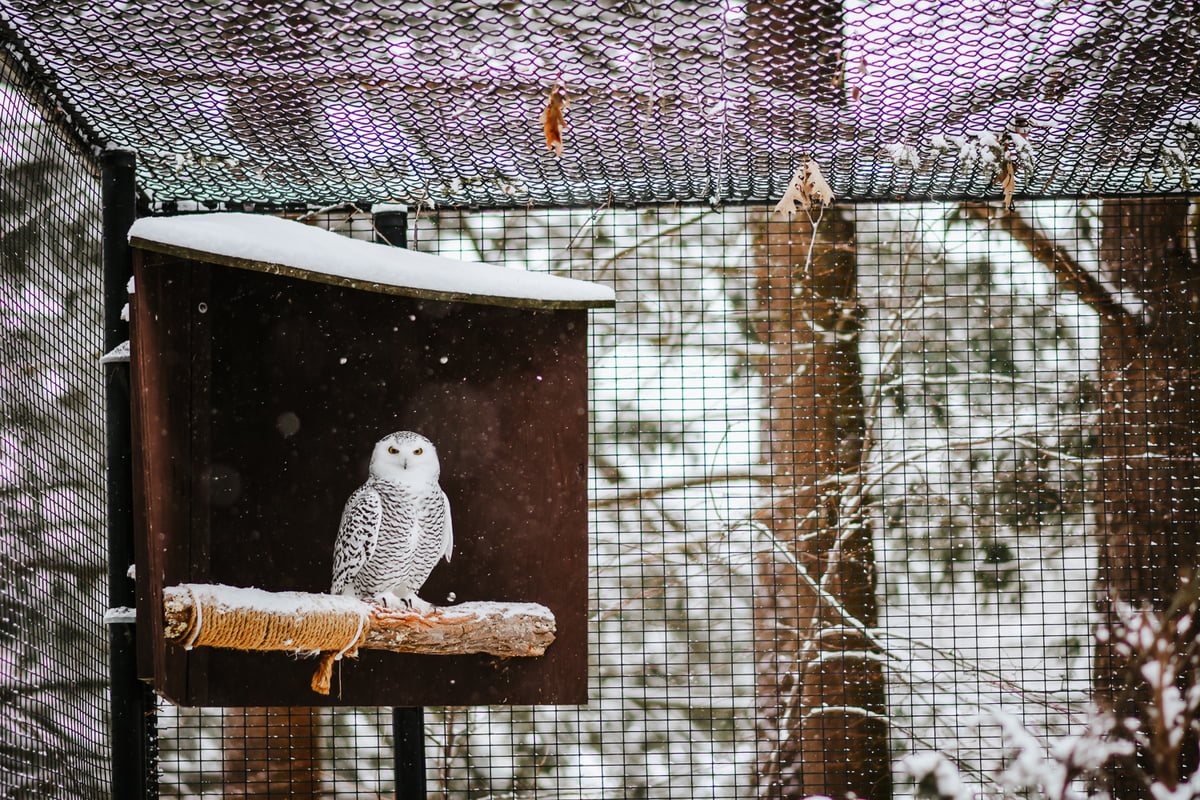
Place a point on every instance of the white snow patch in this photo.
(282, 245)
(118, 355)
(903, 155)
(937, 775)
(120, 615)
(228, 599)
(32, 303)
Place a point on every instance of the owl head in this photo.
(405, 457)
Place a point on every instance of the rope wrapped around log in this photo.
(213, 615)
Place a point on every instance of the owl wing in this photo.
(447, 528)
(357, 536)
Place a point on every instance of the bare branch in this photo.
(679, 485)
(1071, 275)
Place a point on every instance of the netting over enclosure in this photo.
(668, 102)
(890, 497)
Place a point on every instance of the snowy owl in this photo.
(395, 527)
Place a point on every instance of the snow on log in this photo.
(213, 615)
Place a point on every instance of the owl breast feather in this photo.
(408, 528)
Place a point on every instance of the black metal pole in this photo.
(132, 702)
(408, 724)
(408, 731)
(391, 225)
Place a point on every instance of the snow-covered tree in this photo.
(1141, 743)
(982, 404)
(53, 666)
(674, 480)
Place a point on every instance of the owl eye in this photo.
(418, 451)
(393, 450)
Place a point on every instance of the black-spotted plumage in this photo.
(395, 527)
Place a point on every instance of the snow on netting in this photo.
(681, 101)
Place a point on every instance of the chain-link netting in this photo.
(717, 102)
(887, 499)
(919, 438)
(53, 571)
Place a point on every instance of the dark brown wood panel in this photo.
(161, 332)
(270, 417)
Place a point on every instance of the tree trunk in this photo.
(1147, 493)
(797, 47)
(820, 686)
(271, 753)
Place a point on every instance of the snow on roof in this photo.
(272, 244)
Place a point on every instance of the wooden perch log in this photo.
(208, 615)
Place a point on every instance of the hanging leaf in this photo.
(806, 187)
(553, 123)
(1008, 182)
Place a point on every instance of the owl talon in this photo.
(416, 604)
(410, 603)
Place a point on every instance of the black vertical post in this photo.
(132, 702)
(391, 225)
(408, 732)
(408, 724)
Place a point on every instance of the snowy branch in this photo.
(658, 235)
(1071, 275)
(673, 486)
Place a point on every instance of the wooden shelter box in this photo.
(268, 357)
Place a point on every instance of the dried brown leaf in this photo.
(1008, 182)
(819, 190)
(553, 123)
(806, 187)
(794, 195)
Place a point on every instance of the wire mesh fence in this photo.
(53, 667)
(979, 387)
(863, 486)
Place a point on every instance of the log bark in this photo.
(499, 629)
